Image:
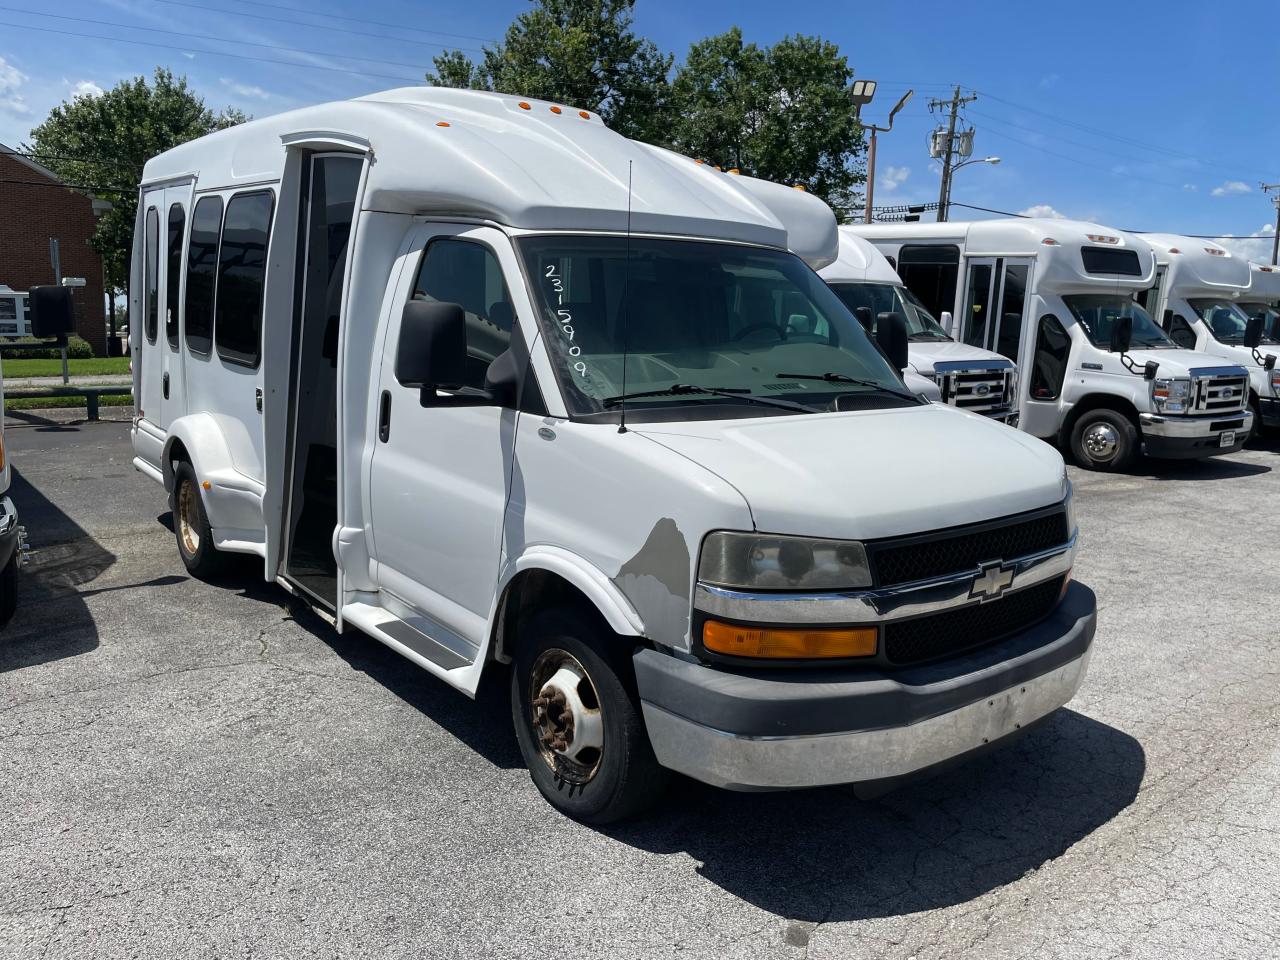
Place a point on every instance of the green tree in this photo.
(582, 53)
(102, 143)
(780, 112)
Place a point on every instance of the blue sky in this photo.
(1141, 117)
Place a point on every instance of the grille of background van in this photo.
(1219, 394)
(980, 389)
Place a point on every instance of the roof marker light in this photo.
(524, 106)
(718, 167)
(1215, 251)
(1174, 250)
(699, 162)
(1102, 238)
(442, 123)
(556, 110)
(584, 115)
(735, 171)
(1050, 242)
(799, 186)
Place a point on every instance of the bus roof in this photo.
(1018, 236)
(859, 260)
(1264, 282)
(525, 163)
(1195, 264)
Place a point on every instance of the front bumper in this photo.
(779, 729)
(1190, 437)
(1269, 409)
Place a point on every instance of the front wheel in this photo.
(191, 526)
(577, 719)
(1104, 440)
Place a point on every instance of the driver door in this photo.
(438, 475)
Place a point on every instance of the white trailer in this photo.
(1056, 297)
(497, 386)
(1199, 295)
(964, 376)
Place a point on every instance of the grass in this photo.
(63, 403)
(15, 367)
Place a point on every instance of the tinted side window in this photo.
(930, 271)
(1049, 366)
(468, 274)
(202, 262)
(1122, 263)
(151, 286)
(242, 270)
(1180, 331)
(173, 273)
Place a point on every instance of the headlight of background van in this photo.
(1275, 382)
(750, 561)
(1171, 395)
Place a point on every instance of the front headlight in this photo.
(1275, 382)
(751, 561)
(1171, 395)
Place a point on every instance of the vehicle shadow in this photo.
(52, 621)
(1211, 468)
(824, 855)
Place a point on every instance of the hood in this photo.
(925, 353)
(1180, 363)
(872, 474)
(1239, 354)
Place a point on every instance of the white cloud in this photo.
(245, 89)
(1256, 246)
(85, 88)
(11, 80)
(1043, 211)
(1229, 188)
(1190, 187)
(891, 178)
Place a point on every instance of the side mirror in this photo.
(947, 321)
(891, 334)
(1253, 332)
(1150, 369)
(52, 312)
(1122, 335)
(432, 350)
(864, 317)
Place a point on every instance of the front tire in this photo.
(191, 526)
(1104, 440)
(577, 719)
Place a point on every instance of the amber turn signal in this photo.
(788, 644)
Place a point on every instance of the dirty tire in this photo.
(191, 526)
(626, 778)
(1104, 440)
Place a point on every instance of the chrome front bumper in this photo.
(771, 730)
(1193, 428)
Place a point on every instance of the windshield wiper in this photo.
(845, 378)
(733, 393)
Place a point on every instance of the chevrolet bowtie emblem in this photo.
(992, 581)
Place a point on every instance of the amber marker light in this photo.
(524, 106)
(442, 123)
(207, 485)
(788, 644)
(584, 115)
(556, 110)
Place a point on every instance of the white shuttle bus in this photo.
(1056, 297)
(965, 376)
(497, 386)
(1205, 296)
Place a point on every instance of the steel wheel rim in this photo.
(188, 518)
(1101, 441)
(565, 717)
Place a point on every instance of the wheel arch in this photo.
(1098, 401)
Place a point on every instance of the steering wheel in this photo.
(751, 328)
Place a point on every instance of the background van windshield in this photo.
(1270, 315)
(714, 315)
(1098, 312)
(884, 298)
(1227, 320)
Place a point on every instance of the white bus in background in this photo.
(1263, 298)
(1199, 295)
(964, 376)
(1056, 297)
(15, 320)
(429, 357)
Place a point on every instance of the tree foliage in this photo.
(779, 112)
(582, 53)
(102, 143)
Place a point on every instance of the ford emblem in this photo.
(982, 389)
(1228, 393)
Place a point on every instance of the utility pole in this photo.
(949, 151)
(1275, 241)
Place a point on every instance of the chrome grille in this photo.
(1219, 389)
(984, 387)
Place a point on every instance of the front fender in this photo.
(232, 501)
(594, 584)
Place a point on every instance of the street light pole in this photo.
(945, 207)
(1275, 241)
(860, 94)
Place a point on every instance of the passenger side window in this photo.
(468, 274)
(1049, 366)
(242, 269)
(202, 263)
(152, 321)
(173, 273)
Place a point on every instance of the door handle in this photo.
(164, 381)
(384, 416)
(257, 398)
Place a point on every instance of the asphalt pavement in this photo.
(196, 770)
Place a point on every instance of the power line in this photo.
(1192, 236)
(216, 53)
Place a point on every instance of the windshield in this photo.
(715, 316)
(886, 298)
(1098, 312)
(1231, 318)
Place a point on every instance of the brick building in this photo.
(34, 209)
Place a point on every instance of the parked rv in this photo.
(965, 376)
(1199, 294)
(1056, 298)
(495, 385)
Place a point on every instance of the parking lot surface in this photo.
(191, 770)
